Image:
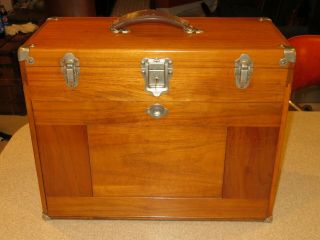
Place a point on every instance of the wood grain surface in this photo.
(34, 138)
(215, 155)
(186, 113)
(64, 160)
(250, 157)
(280, 149)
(154, 159)
(222, 41)
(128, 84)
(157, 208)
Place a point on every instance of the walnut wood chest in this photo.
(147, 117)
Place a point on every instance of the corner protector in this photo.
(268, 219)
(45, 217)
(23, 54)
(289, 55)
(263, 19)
(52, 19)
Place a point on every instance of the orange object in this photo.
(106, 146)
(307, 68)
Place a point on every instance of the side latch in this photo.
(70, 68)
(157, 73)
(243, 71)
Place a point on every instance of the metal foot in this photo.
(45, 217)
(269, 219)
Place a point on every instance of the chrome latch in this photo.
(243, 71)
(70, 68)
(157, 73)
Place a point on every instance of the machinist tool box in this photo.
(150, 116)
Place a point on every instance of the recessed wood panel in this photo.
(250, 157)
(64, 160)
(153, 159)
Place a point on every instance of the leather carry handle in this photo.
(150, 15)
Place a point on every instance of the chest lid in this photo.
(125, 42)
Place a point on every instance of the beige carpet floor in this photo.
(296, 213)
(10, 124)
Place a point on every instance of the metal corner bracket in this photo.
(268, 219)
(52, 19)
(289, 55)
(263, 19)
(23, 54)
(45, 217)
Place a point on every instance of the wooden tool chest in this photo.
(148, 117)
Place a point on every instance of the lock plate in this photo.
(70, 68)
(243, 71)
(157, 111)
(157, 73)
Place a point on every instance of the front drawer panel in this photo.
(186, 113)
(186, 84)
(156, 160)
